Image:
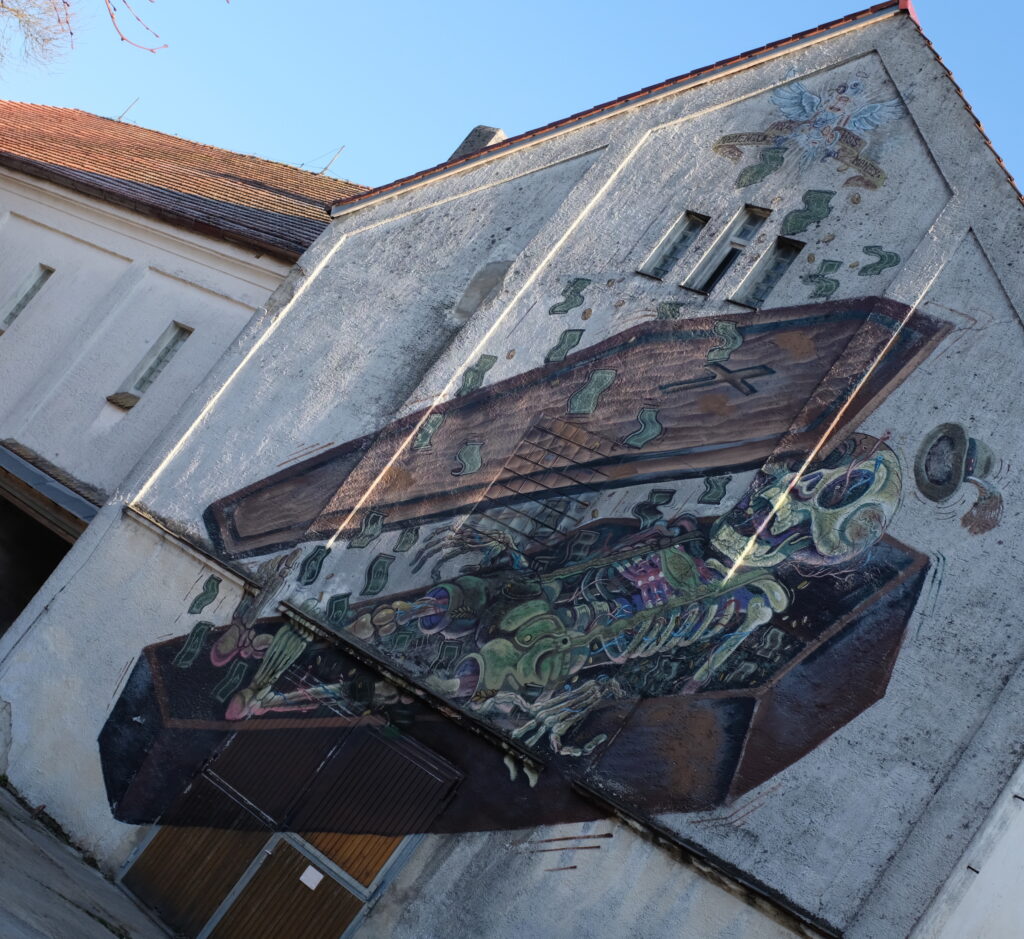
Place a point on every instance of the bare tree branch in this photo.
(138, 18)
(42, 29)
(112, 13)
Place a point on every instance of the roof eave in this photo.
(58, 176)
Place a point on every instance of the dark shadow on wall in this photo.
(28, 554)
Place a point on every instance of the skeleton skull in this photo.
(826, 514)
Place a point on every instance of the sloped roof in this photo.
(258, 203)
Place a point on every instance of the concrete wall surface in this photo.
(590, 879)
(982, 897)
(740, 566)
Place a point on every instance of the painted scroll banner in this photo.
(848, 148)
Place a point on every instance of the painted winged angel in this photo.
(834, 125)
(819, 119)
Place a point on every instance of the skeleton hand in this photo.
(557, 715)
(451, 543)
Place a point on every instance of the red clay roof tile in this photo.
(271, 206)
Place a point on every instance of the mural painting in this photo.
(834, 124)
(672, 659)
(946, 460)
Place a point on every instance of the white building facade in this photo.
(118, 296)
(607, 532)
(119, 282)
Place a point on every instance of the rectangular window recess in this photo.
(769, 271)
(724, 253)
(149, 369)
(24, 296)
(674, 245)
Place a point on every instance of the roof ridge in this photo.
(187, 140)
(897, 6)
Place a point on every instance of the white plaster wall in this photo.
(348, 354)
(120, 280)
(65, 660)
(982, 898)
(824, 835)
(503, 885)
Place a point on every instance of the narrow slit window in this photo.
(149, 369)
(28, 291)
(674, 245)
(769, 272)
(163, 352)
(725, 252)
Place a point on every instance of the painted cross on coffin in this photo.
(798, 347)
(723, 375)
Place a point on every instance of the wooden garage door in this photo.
(259, 842)
(185, 873)
(287, 892)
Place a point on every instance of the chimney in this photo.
(479, 137)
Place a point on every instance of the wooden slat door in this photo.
(278, 902)
(362, 857)
(222, 868)
(185, 872)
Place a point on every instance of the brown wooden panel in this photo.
(361, 856)
(185, 873)
(270, 771)
(376, 784)
(276, 903)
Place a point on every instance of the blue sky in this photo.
(401, 83)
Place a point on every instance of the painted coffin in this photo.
(670, 663)
(169, 724)
(670, 751)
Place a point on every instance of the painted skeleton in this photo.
(549, 642)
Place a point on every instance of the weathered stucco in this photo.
(481, 293)
(596, 879)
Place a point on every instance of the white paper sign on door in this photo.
(311, 877)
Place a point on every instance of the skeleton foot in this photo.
(281, 652)
(252, 702)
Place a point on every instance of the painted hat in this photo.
(947, 457)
